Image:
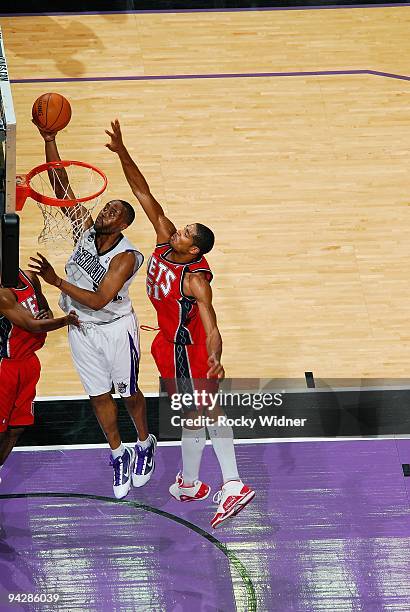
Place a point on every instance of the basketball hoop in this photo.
(58, 187)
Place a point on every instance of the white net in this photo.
(66, 224)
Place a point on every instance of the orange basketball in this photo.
(51, 112)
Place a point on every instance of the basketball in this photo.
(51, 112)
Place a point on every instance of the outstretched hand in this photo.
(43, 268)
(116, 137)
(216, 369)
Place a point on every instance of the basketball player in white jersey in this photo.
(105, 348)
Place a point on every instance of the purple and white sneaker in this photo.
(144, 463)
(123, 467)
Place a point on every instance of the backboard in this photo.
(9, 232)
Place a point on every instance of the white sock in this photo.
(222, 441)
(118, 452)
(192, 443)
(144, 443)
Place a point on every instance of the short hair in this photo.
(203, 238)
(129, 212)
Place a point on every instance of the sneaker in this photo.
(199, 490)
(144, 463)
(232, 498)
(122, 472)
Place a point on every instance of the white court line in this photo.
(306, 390)
(251, 441)
(55, 398)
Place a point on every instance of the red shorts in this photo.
(179, 360)
(183, 363)
(18, 379)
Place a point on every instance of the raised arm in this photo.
(44, 308)
(198, 287)
(120, 270)
(61, 186)
(163, 226)
(18, 315)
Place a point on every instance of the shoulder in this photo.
(125, 258)
(132, 250)
(198, 285)
(125, 247)
(7, 298)
(197, 277)
(126, 263)
(201, 267)
(33, 278)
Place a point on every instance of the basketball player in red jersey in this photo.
(188, 345)
(25, 319)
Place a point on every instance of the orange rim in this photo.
(26, 190)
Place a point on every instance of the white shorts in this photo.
(107, 354)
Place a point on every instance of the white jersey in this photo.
(86, 268)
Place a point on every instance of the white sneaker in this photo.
(232, 498)
(144, 463)
(199, 490)
(123, 467)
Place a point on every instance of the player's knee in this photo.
(137, 400)
(101, 402)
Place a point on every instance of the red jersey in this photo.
(178, 314)
(15, 342)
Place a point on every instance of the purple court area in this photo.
(328, 530)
